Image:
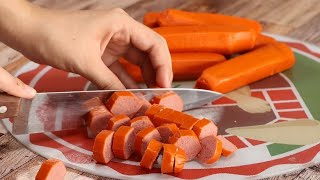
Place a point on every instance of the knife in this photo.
(55, 111)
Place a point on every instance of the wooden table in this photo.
(294, 18)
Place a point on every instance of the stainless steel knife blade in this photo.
(55, 111)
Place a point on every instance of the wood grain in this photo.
(293, 18)
(12, 154)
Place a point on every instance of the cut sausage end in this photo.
(123, 139)
(227, 147)
(97, 118)
(102, 147)
(143, 138)
(170, 100)
(211, 149)
(141, 122)
(179, 160)
(169, 153)
(151, 154)
(204, 128)
(154, 109)
(51, 169)
(167, 130)
(188, 141)
(124, 102)
(116, 121)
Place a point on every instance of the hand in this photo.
(14, 86)
(90, 42)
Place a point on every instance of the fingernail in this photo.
(30, 90)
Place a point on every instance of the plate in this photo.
(292, 94)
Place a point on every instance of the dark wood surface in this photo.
(294, 18)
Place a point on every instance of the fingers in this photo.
(148, 41)
(15, 86)
(123, 75)
(102, 76)
(139, 58)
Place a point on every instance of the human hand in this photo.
(14, 86)
(90, 42)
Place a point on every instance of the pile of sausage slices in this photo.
(157, 132)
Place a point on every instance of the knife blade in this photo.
(55, 111)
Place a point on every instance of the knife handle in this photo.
(9, 105)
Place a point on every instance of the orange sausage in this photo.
(92, 103)
(102, 147)
(145, 105)
(227, 147)
(179, 160)
(185, 66)
(174, 17)
(188, 123)
(151, 154)
(141, 122)
(154, 109)
(170, 100)
(247, 68)
(116, 121)
(204, 128)
(167, 130)
(123, 102)
(188, 141)
(263, 40)
(211, 149)
(210, 38)
(51, 169)
(169, 152)
(179, 118)
(143, 138)
(123, 139)
(97, 118)
(150, 19)
(163, 117)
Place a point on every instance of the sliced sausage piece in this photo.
(124, 102)
(170, 100)
(169, 152)
(179, 118)
(211, 149)
(154, 109)
(123, 139)
(139, 123)
(188, 141)
(167, 130)
(145, 105)
(151, 154)
(227, 147)
(116, 121)
(143, 138)
(179, 160)
(97, 118)
(92, 103)
(189, 123)
(163, 117)
(204, 128)
(51, 169)
(102, 147)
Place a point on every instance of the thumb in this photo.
(15, 86)
(102, 76)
